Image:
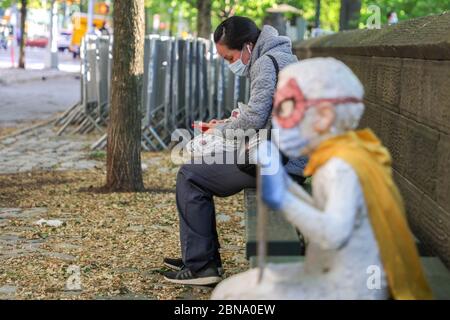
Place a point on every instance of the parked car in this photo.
(38, 41)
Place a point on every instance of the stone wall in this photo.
(405, 70)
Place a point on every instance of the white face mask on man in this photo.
(238, 67)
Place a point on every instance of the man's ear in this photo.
(326, 114)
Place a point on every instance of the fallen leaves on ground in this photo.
(118, 240)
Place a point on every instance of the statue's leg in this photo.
(280, 281)
(239, 286)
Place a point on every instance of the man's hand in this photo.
(215, 121)
(204, 127)
(210, 126)
(273, 179)
(210, 129)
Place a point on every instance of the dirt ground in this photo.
(117, 240)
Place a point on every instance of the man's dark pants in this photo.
(196, 186)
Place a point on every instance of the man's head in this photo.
(235, 39)
(315, 100)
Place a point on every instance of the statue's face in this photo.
(289, 105)
(301, 121)
(292, 119)
(295, 141)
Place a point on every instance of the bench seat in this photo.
(282, 237)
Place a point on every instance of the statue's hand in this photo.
(272, 175)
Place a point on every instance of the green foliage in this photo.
(405, 9)
(5, 3)
(35, 4)
(256, 9)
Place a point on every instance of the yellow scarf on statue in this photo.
(372, 162)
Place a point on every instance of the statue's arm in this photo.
(298, 191)
(332, 226)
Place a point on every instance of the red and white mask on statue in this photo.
(305, 117)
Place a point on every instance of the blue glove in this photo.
(272, 175)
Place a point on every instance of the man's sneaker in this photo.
(174, 264)
(207, 276)
(177, 264)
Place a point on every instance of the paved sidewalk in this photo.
(10, 76)
(35, 59)
(25, 97)
(42, 149)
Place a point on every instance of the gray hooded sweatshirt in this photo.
(263, 79)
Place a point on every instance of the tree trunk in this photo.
(204, 18)
(349, 14)
(123, 161)
(23, 18)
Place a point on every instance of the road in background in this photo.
(36, 93)
(35, 59)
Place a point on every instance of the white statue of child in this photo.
(317, 107)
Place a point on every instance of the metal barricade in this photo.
(184, 80)
(104, 63)
(89, 59)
